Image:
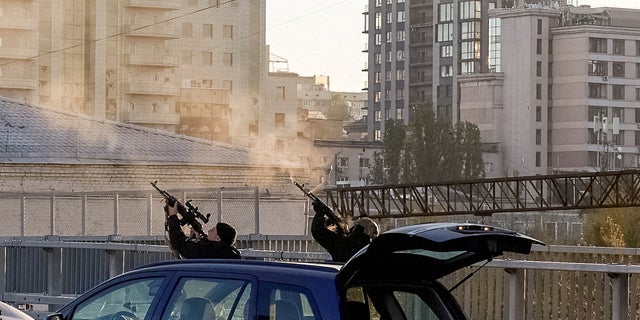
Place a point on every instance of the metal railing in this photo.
(588, 283)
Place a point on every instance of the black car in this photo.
(395, 277)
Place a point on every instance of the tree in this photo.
(422, 143)
(377, 171)
(392, 150)
(338, 108)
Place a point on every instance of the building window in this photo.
(279, 120)
(400, 55)
(618, 92)
(539, 46)
(618, 46)
(377, 58)
(538, 114)
(538, 91)
(538, 137)
(377, 135)
(618, 113)
(388, 37)
(377, 78)
(389, 17)
(399, 94)
(378, 39)
(445, 12)
(470, 30)
(387, 56)
(470, 10)
(207, 30)
(467, 67)
(227, 31)
(638, 70)
(494, 44)
(539, 26)
(399, 113)
(281, 92)
(446, 51)
(597, 90)
(538, 159)
(400, 74)
(377, 116)
(618, 69)
(401, 16)
(598, 45)
(446, 71)
(637, 134)
(539, 68)
(638, 94)
(470, 50)
(400, 35)
(378, 20)
(377, 96)
(445, 32)
(597, 68)
(596, 113)
(227, 59)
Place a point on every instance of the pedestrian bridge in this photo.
(553, 282)
(484, 197)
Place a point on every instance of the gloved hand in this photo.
(320, 208)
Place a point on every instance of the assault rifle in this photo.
(189, 213)
(342, 225)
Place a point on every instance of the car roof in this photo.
(265, 270)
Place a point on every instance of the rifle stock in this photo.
(189, 213)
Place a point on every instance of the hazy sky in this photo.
(325, 37)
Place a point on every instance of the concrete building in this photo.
(193, 67)
(565, 96)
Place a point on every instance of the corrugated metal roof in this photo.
(30, 133)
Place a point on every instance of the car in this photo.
(394, 277)
(9, 312)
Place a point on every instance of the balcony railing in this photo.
(160, 30)
(151, 117)
(165, 89)
(156, 4)
(161, 60)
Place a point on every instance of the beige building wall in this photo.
(128, 60)
(278, 127)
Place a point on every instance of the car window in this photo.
(209, 298)
(280, 301)
(128, 300)
(377, 303)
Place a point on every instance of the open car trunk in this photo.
(430, 251)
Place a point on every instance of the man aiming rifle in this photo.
(333, 233)
(218, 242)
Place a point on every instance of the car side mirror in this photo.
(55, 316)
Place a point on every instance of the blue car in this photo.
(368, 286)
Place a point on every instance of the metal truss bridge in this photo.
(483, 197)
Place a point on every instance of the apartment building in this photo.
(194, 66)
(564, 95)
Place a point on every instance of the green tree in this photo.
(392, 150)
(422, 144)
(473, 165)
(338, 108)
(377, 170)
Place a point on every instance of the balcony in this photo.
(18, 53)
(18, 23)
(143, 117)
(161, 30)
(160, 60)
(153, 4)
(17, 82)
(151, 88)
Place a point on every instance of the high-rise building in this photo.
(416, 52)
(564, 94)
(195, 67)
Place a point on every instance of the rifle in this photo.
(342, 225)
(190, 214)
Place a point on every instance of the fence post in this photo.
(54, 267)
(23, 201)
(3, 270)
(220, 204)
(256, 205)
(619, 296)
(84, 214)
(52, 211)
(116, 262)
(514, 294)
(116, 199)
(149, 214)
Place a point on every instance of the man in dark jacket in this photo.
(220, 241)
(341, 243)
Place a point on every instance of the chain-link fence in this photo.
(141, 213)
